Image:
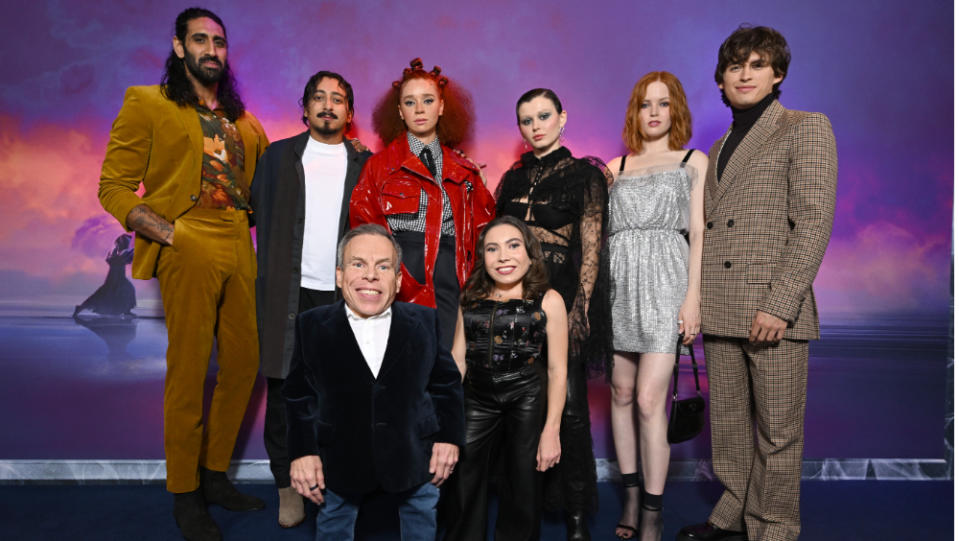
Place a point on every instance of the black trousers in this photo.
(505, 411)
(274, 421)
(446, 286)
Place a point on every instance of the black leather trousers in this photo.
(505, 411)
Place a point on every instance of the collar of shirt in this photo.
(353, 316)
(372, 335)
(417, 146)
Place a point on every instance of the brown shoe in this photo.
(291, 508)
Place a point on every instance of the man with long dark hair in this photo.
(301, 197)
(194, 148)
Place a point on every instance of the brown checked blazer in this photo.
(768, 223)
(160, 144)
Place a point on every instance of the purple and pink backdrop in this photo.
(881, 71)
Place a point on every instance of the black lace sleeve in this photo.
(592, 300)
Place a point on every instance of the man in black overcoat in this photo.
(300, 196)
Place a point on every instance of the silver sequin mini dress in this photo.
(648, 256)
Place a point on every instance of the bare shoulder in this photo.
(553, 303)
(699, 160)
(613, 165)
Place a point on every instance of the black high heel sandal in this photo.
(630, 480)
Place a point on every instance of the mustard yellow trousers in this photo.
(207, 284)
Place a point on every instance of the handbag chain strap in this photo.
(692, 358)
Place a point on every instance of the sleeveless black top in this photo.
(504, 336)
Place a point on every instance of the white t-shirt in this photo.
(324, 170)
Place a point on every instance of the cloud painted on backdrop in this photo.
(885, 268)
(50, 174)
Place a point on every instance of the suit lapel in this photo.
(191, 125)
(250, 146)
(712, 185)
(400, 327)
(351, 348)
(750, 146)
(299, 186)
(349, 182)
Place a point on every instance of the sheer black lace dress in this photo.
(563, 200)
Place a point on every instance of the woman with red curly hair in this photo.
(656, 198)
(431, 199)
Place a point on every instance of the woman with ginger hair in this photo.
(430, 198)
(656, 198)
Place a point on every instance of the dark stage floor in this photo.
(840, 510)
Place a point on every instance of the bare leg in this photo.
(652, 388)
(623, 420)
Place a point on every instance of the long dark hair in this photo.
(178, 88)
(479, 285)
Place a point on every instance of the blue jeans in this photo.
(336, 520)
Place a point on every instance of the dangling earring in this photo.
(525, 145)
(562, 131)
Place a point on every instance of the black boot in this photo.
(576, 528)
(195, 523)
(217, 489)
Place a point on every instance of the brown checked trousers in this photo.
(768, 222)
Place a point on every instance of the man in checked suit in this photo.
(770, 198)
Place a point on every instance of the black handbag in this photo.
(687, 416)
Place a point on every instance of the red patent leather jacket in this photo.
(390, 184)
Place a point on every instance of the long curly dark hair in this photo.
(454, 127)
(178, 88)
(479, 285)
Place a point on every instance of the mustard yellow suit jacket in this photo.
(768, 223)
(160, 144)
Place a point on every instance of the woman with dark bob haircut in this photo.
(432, 200)
(510, 343)
(563, 201)
(655, 275)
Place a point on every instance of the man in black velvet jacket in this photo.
(373, 402)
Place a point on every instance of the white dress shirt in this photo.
(371, 335)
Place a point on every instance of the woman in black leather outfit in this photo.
(563, 201)
(514, 394)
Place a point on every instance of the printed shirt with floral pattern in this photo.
(222, 163)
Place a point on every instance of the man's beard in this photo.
(324, 126)
(206, 76)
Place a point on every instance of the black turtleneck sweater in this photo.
(743, 120)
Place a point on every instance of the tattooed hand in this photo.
(144, 221)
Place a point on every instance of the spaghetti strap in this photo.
(622, 163)
(685, 158)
